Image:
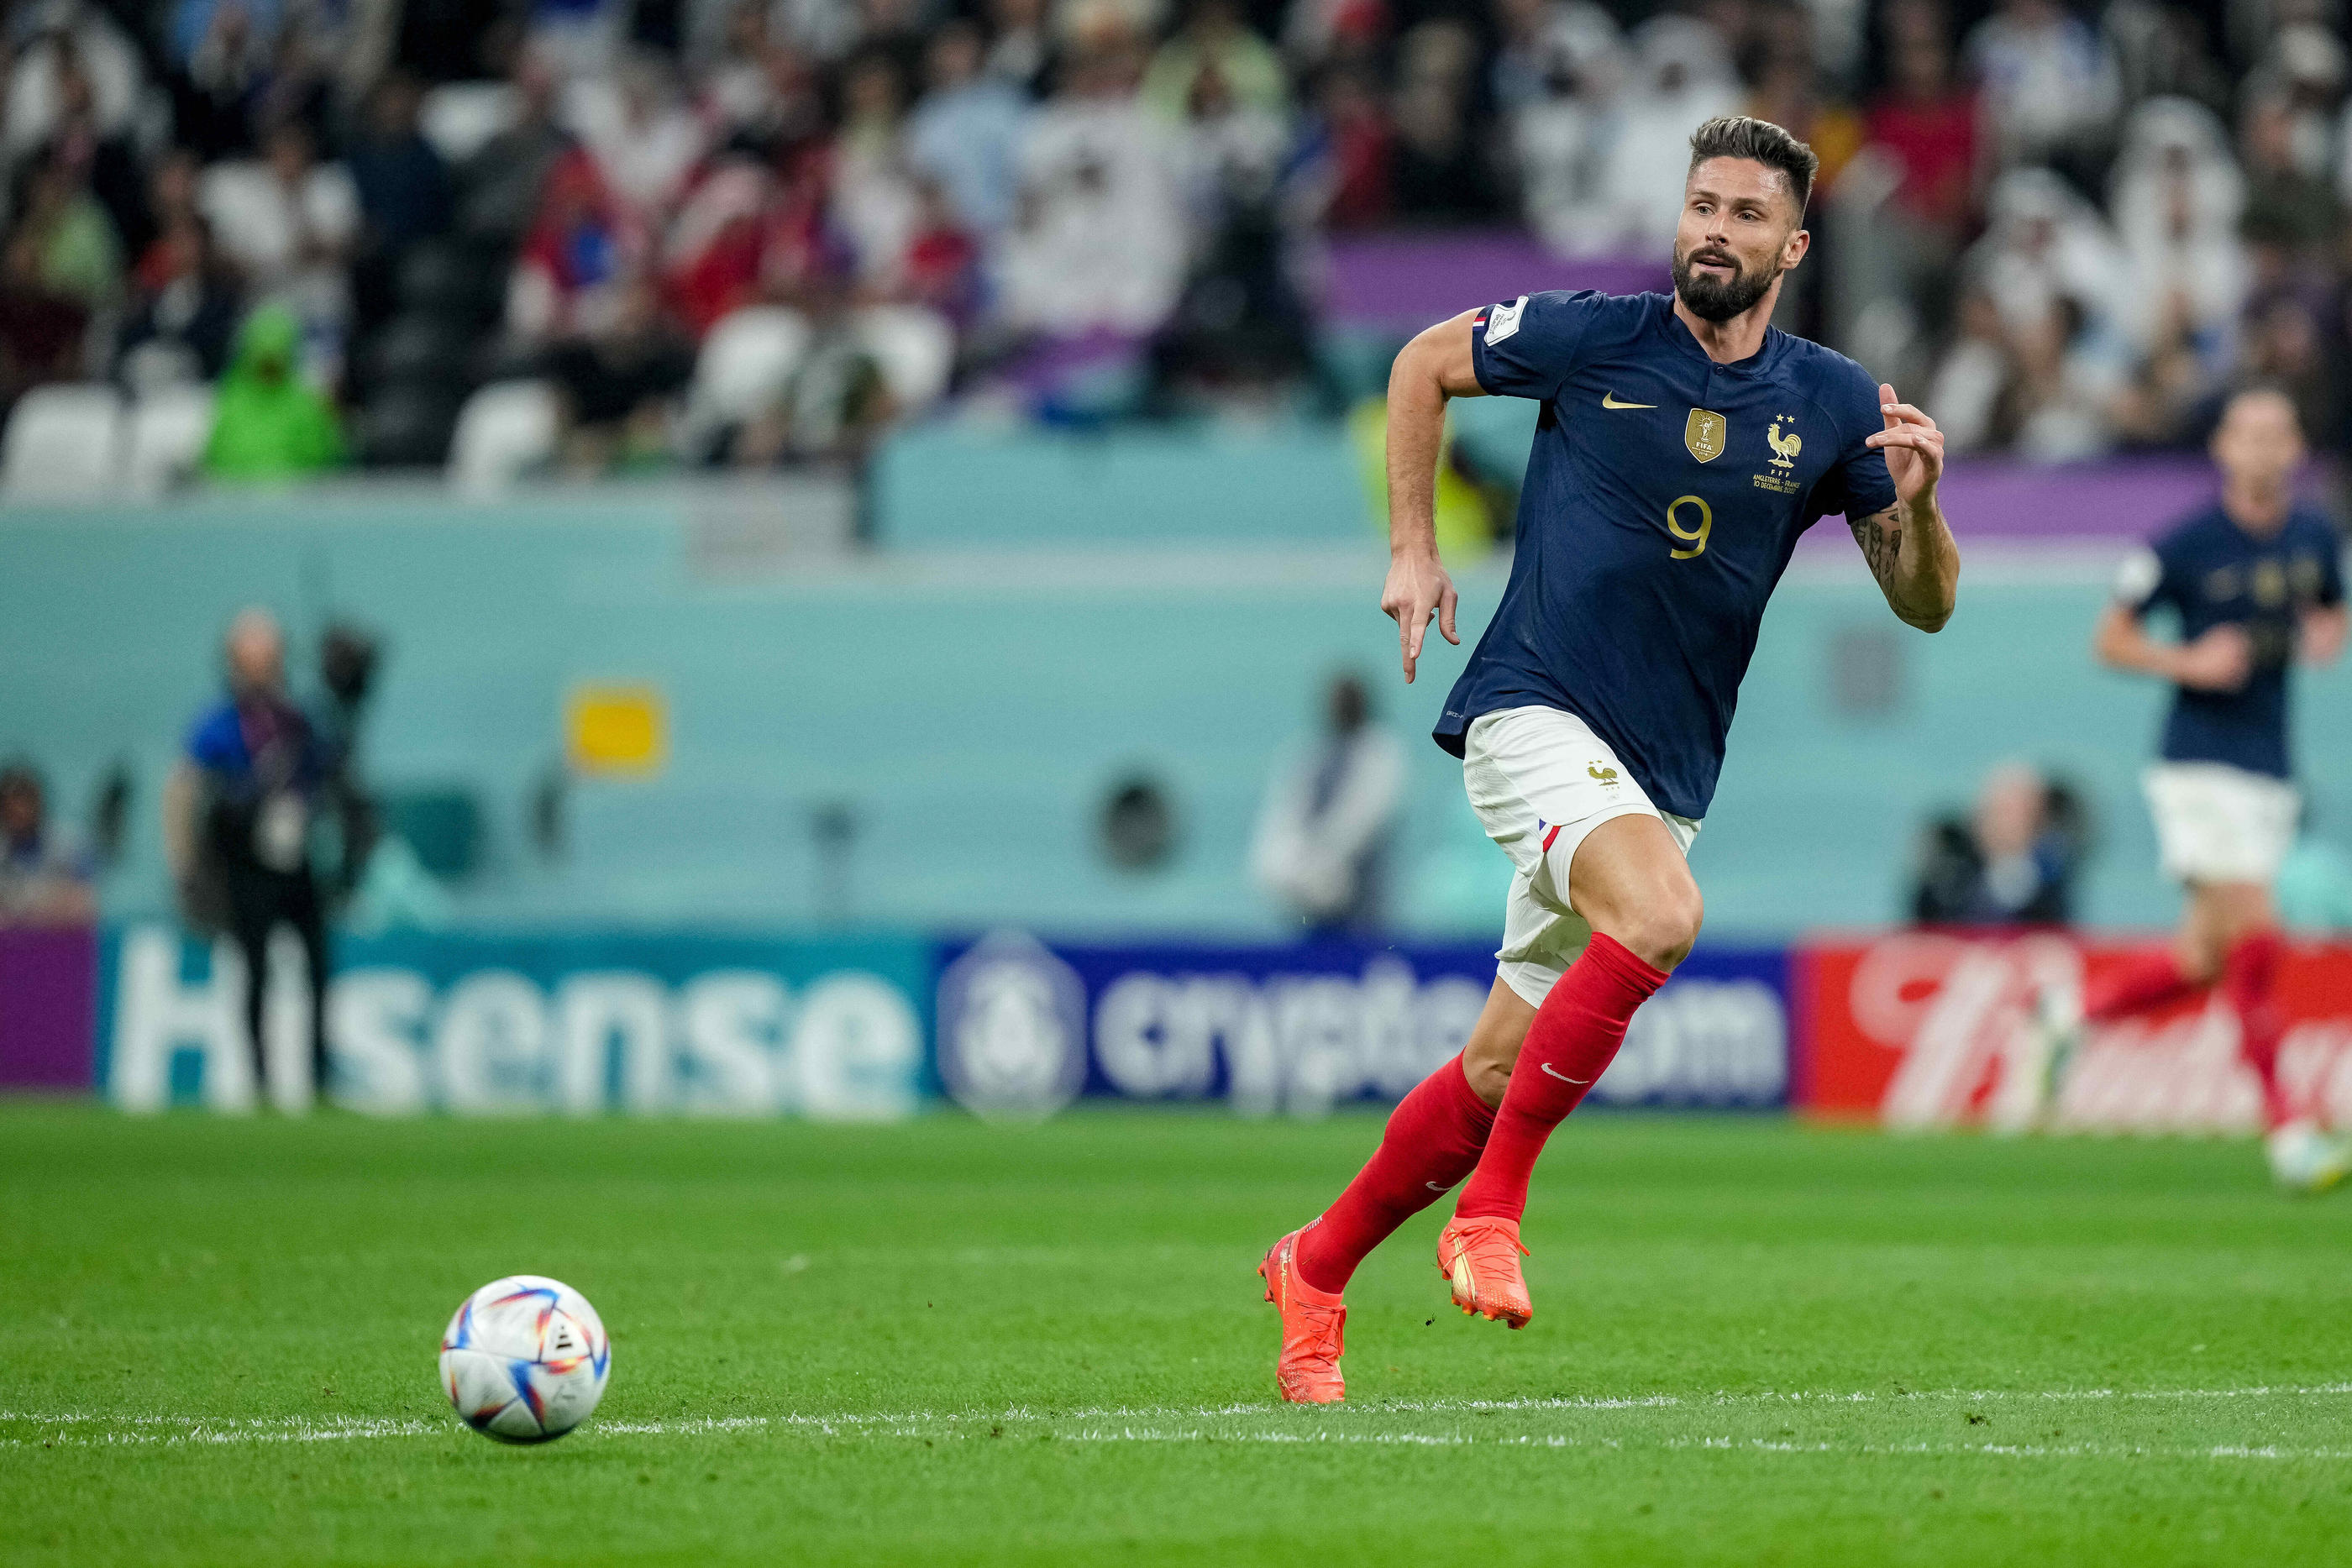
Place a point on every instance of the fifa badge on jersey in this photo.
(1503, 320)
(1702, 432)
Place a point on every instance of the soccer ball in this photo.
(525, 1359)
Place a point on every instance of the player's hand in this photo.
(1417, 589)
(2219, 661)
(1914, 448)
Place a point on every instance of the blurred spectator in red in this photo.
(1350, 149)
(45, 872)
(580, 248)
(964, 131)
(1929, 120)
(620, 383)
(941, 265)
(184, 315)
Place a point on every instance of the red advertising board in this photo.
(1921, 1028)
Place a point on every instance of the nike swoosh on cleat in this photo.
(1564, 1078)
(1609, 399)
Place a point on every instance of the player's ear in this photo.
(1794, 249)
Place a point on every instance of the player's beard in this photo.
(1719, 299)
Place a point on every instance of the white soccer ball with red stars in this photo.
(525, 1359)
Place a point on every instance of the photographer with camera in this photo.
(244, 806)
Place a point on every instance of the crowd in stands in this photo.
(2072, 227)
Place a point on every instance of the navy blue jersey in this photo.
(1662, 499)
(2211, 572)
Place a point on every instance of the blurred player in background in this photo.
(1683, 447)
(2256, 584)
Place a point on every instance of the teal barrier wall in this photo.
(971, 708)
(945, 484)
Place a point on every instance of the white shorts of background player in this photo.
(2219, 823)
(1540, 781)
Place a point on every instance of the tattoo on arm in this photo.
(1881, 542)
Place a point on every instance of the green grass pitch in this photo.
(948, 1343)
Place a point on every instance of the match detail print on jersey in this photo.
(1504, 319)
(1704, 434)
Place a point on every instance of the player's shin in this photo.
(2249, 977)
(1432, 1140)
(1575, 1036)
(2141, 984)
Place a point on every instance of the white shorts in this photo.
(2219, 823)
(1540, 780)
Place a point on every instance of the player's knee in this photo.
(1662, 929)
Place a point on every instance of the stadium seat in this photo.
(916, 348)
(62, 444)
(457, 118)
(167, 429)
(744, 365)
(505, 429)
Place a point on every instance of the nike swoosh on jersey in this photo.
(1564, 1078)
(1609, 399)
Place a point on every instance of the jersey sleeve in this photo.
(1864, 487)
(1527, 347)
(2142, 582)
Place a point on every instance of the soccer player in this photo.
(1683, 445)
(2255, 581)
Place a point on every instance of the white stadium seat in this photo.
(62, 444)
(745, 363)
(167, 430)
(505, 430)
(916, 348)
(457, 118)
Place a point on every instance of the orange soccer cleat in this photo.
(1314, 1330)
(1480, 1258)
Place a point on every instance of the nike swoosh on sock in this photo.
(1564, 1078)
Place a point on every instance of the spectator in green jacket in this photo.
(268, 424)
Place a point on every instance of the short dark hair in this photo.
(1761, 141)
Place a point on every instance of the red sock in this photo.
(1432, 1141)
(2248, 974)
(2141, 984)
(1575, 1036)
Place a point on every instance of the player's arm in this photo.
(1910, 546)
(2219, 661)
(2324, 628)
(1436, 366)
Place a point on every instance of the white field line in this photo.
(1120, 1423)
